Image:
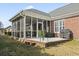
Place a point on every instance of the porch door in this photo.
(40, 26)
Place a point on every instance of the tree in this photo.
(41, 34)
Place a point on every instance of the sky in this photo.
(8, 10)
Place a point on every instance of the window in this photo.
(18, 25)
(14, 26)
(59, 25)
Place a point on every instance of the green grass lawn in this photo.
(70, 48)
(10, 47)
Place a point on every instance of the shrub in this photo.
(49, 34)
(9, 33)
(66, 33)
(41, 34)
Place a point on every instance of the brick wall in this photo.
(73, 24)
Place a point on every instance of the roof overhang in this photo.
(36, 15)
(16, 16)
(68, 15)
(32, 14)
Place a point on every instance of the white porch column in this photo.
(50, 26)
(37, 28)
(42, 26)
(12, 30)
(31, 27)
(16, 29)
(24, 27)
(20, 27)
(47, 26)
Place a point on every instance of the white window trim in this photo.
(54, 28)
(58, 26)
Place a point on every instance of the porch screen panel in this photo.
(28, 26)
(34, 25)
(44, 25)
(22, 27)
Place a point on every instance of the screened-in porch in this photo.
(29, 27)
(28, 23)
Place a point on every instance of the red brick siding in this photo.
(73, 25)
